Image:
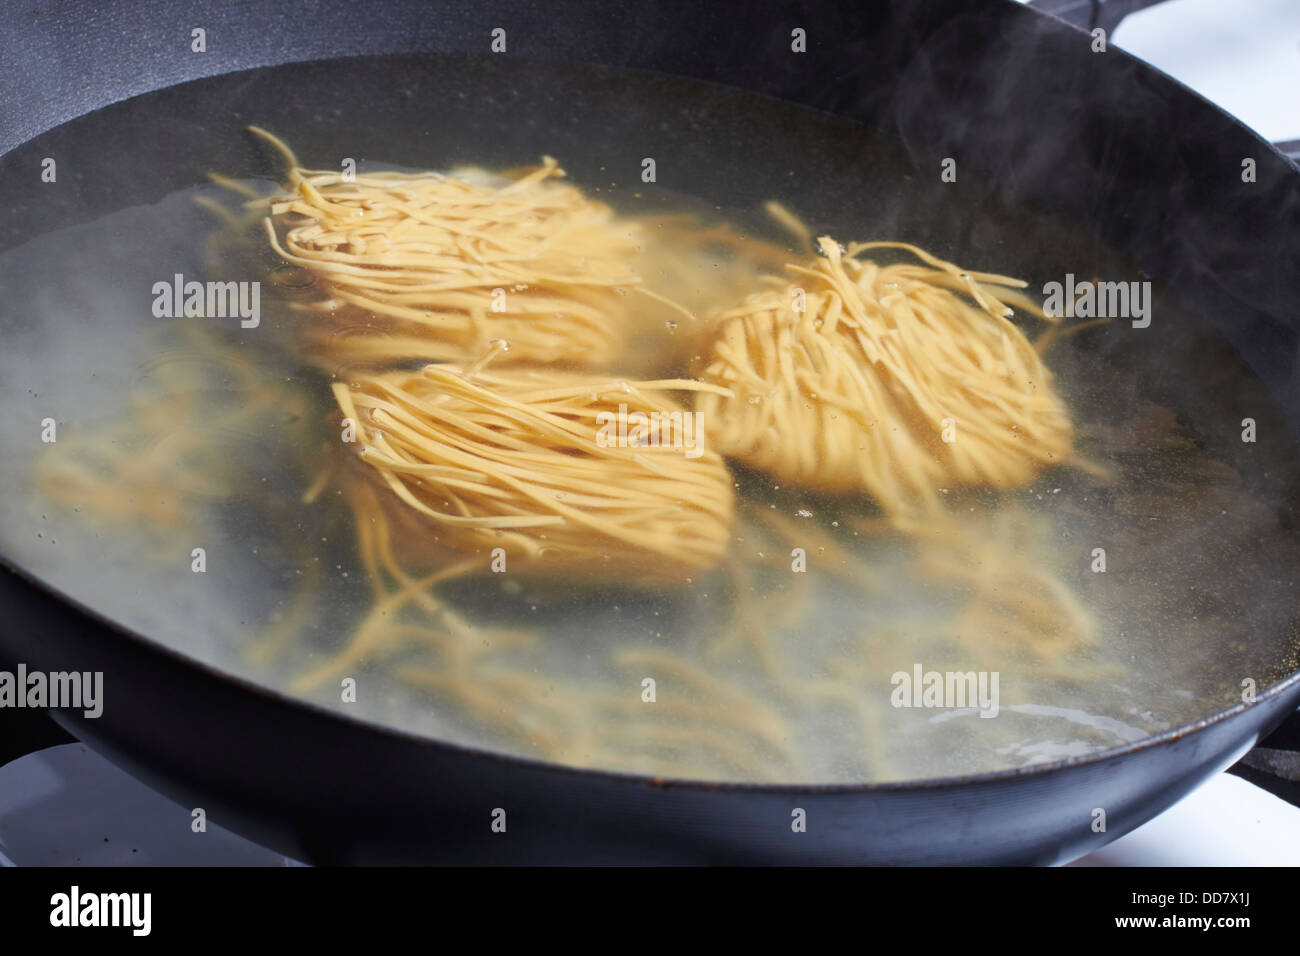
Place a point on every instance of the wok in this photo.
(1143, 171)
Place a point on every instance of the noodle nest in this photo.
(433, 268)
(899, 381)
(531, 461)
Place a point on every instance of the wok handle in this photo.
(1290, 149)
(1274, 764)
(1107, 14)
(1090, 14)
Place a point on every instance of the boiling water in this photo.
(765, 674)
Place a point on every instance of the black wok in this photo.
(1139, 166)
